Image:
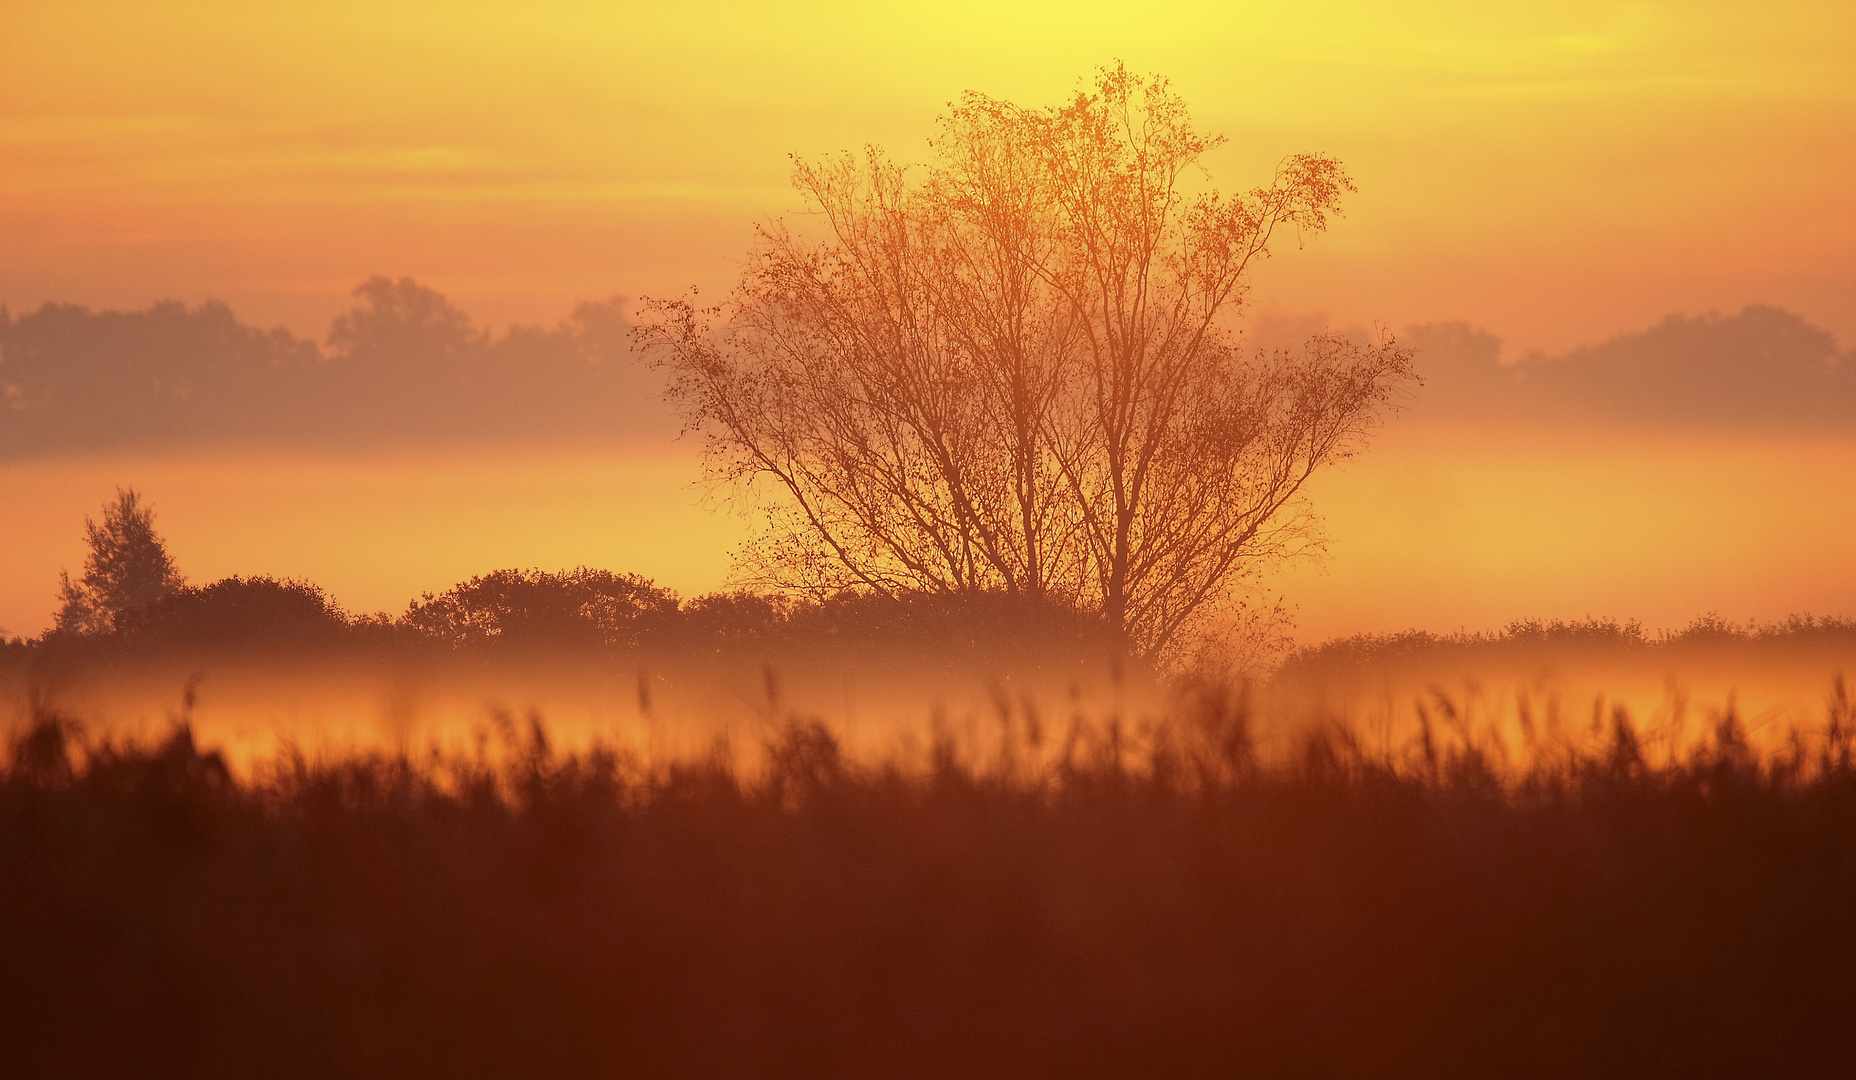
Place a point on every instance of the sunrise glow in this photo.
(927, 540)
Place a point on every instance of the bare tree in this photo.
(128, 568)
(1019, 371)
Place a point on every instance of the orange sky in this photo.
(1557, 172)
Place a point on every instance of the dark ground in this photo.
(1167, 910)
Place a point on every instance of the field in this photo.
(1359, 865)
(916, 540)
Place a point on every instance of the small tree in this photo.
(128, 568)
(1020, 373)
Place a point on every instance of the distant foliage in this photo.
(1606, 635)
(241, 613)
(579, 607)
(403, 365)
(72, 378)
(733, 616)
(571, 610)
(128, 568)
(404, 322)
(1763, 368)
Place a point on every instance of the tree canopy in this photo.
(515, 607)
(128, 568)
(1017, 369)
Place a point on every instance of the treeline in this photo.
(1097, 904)
(1613, 636)
(572, 611)
(1762, 369)
(592, 610)
(131, 597)
(403, 366)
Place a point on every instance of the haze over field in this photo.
(1695, 465)
(927, 540)
(1540, 188)
(1617, 236)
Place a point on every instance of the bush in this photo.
(238, 613)
(574, 609)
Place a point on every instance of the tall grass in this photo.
(1081, 900)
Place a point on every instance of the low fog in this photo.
(257, 668)
(94, 396)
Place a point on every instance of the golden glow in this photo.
(374, 531)
(1437, 531)
(1558, 172)
(1470, 530)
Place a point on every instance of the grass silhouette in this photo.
(1093, 899)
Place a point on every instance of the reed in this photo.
(1086, 899)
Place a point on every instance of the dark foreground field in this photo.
(1159, 905)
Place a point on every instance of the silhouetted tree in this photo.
(1017, 374)
(241, 613)
(733, 616)
(578, 607)
(128, 568)
(403, 323)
